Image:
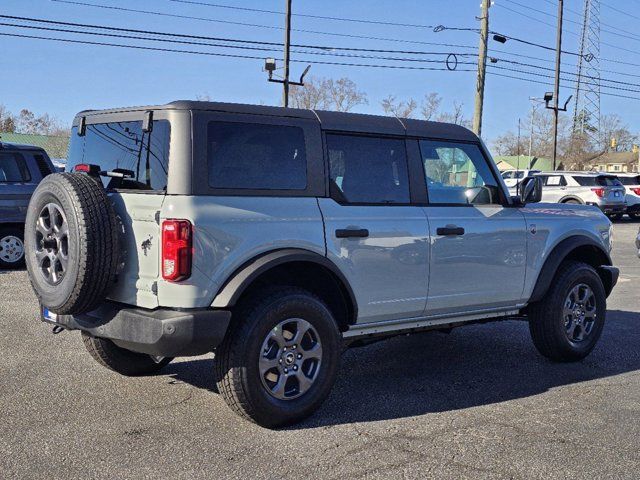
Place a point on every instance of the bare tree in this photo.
(7, 120)
(400, 109)
(430, 105)
(341, 95)
(455, 116)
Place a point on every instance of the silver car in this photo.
(601, 190)
(277, 236)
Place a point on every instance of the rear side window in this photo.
(368, 169)
(43, 167)
(124, 147)
(630, 180)
(256, 156)
(13, 168)
(598, 181)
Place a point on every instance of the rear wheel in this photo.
(11, 247)
(567, 323)
(121, 360)
(280, 357)
(571, 201)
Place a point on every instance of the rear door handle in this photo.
(450, 231)
(352, 232)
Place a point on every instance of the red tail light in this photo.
(636, 191)
(176, 250)
(598, 191)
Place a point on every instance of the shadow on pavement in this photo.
(435, 372)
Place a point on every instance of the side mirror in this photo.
(531, 190)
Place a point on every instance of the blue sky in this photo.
(62, 79)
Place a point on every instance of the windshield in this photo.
(123, 146)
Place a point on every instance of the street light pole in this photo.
(556, 92)
(287, 45)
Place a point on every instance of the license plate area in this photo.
(48, 316)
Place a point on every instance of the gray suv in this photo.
(276, 237)
(22, 167)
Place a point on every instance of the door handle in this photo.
(352, 233)
(447, 231)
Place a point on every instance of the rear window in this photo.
(13, 168)
(630, 180)
(597, 181)
(123, 146)
(256, 156)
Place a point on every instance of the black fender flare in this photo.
(244, 276)
(559, 254)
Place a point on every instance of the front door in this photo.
(373, 233)
(478, 245)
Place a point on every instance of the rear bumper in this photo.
(159, 332)
(633, 208)
(609, 209)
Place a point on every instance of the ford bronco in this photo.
(276, 237)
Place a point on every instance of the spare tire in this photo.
(71, 243)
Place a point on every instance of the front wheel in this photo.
(567, 323)
(280, 357)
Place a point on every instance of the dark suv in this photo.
(22, 167)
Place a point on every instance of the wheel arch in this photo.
(580, 248)
(571, 197)
(292, 267)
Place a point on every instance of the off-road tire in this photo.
(236, 359)
(11, 231)
(93, 237)
(546, 322)
(120, 360)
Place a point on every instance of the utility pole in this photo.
(556, 91)
(482, 67)
(287, 46)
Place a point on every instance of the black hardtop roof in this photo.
(19, 146)
(339, 121)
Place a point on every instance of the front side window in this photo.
(458, 174)
(123, 147)
(13, 168)
(256, 156)
(368, 169)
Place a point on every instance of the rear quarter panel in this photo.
(550, 224)
(229, 231)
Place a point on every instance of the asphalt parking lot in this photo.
(479, 402)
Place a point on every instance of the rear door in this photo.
(478, 242)
(374, 233)
(117, 141)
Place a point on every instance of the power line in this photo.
(240, 47)
(303, 15)
(256, 48)
(271, 27)
(225, 39)
(540, 82)
(216, 54)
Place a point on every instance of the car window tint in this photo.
(368, 169)
(256, 156)
(630, 180)
(143, 156)
(608, 181)
(458, 174)
(13, 168)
